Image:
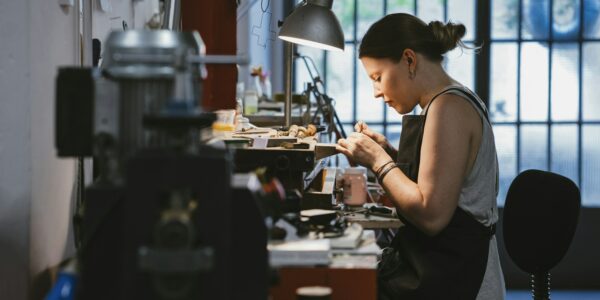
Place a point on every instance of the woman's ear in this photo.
(411, 60)
(410, 56)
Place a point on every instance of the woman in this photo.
(443, 179)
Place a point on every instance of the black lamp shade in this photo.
(314, 24)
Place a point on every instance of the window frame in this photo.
(482, 76)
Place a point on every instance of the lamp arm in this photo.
(324, 101)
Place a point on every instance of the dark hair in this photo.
(390, 36)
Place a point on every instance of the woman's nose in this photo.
(376, 92)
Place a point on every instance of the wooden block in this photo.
(323, 150)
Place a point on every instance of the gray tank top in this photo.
(478, 198)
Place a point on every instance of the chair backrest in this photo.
(540, 217)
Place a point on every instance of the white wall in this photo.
(135, 13)
(269, 57)
(15, 148)
(53, 43)
(36, 36)
(37, 188)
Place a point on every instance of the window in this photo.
(542, 94)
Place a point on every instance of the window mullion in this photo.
(550, 60)
(482, 59)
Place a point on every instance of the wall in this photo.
(15, 148)
(35, 187)
(53, 43)
(259, 41)
(134, 13)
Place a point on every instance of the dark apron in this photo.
(450, 265)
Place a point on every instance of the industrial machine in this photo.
(166, 217)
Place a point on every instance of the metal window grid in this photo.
(483, 37)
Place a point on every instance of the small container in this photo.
(265, 85)
(355, 186)
(250, 102)
(224, 123)
(313, 293)
(258, 86)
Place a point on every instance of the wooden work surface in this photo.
(351, 273)
(346, 283)
(372, 221)
(310, 143)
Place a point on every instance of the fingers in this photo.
(343, 150)
(349, 143)
(342, 147)
(368, 132)
(377, 137)
(356, 137)
(360, 126)
(353, 136)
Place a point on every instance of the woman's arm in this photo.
(450, 144)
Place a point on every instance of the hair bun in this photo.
(448, 35)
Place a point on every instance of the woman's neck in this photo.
(434, 80)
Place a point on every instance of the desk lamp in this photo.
(311, 24)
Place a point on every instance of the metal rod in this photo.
(519, 47)
(176, 21)
(167, 17)
(580, 98)
(483, 59)
(354, 68)
(172, 11)
(87, 33)
(550, 63)
(287, 111)
(169, 58)
(220, 59)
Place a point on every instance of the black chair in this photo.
(540, 218)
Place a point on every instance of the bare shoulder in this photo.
(453, 110)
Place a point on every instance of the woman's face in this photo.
(391, 81)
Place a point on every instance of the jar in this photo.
(250, 102)
(355, 186)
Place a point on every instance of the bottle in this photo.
(239, 98)
(250, 102)
(258, 86)
(265, 83)
(355, 186)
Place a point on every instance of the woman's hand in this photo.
(379, 138)
(363, 150)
